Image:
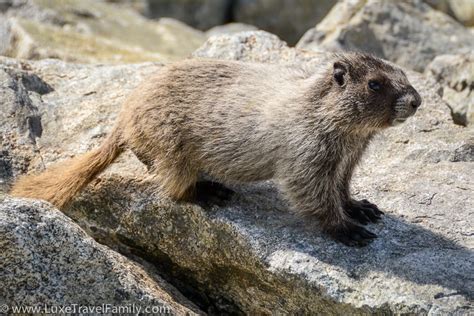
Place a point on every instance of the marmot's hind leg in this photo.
(175, 180)
(208, 193)
(179, 181)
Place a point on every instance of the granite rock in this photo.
(456, 75)
(409, 33)
(91, 32)
(48, 262)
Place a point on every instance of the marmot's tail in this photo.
(60, 183)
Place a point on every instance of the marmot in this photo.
(241, 122)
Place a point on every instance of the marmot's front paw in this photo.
(363, 211)
(353, 235)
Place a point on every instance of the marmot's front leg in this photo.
(362, 211)
(319, 197)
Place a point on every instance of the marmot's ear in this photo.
(339, 73)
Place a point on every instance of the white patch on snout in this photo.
(398, 121)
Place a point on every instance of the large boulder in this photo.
(456, 75)
(253, 256)
(48, 262)
(230, 28)
(92, 31)
(254, 46)
(461, 10)
(288, 19)
(42, 112)
(409, 33)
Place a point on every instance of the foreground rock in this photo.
(92, 31)
(409, 33)
(456, 74)
(253, 256)
(47, 260)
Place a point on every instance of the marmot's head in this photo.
(375, 93)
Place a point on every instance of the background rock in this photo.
(46, 259)
(409, 33)
(456, 74)
(230, 28)
(137, 5)
(92, 31)
(201, 14)
(253, 256)
(461, 10)
(258, 46)
(288, 19)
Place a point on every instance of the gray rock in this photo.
(461, 10)
(255, 257)
(230, 28)
(254, 46)
(409, 33)
(288, 19)
(47, 261)
(36, 100)
(91, 31)
(21, 120)
(456, 75)
(141, 6)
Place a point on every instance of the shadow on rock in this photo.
(256, 256)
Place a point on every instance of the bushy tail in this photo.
(60, 183)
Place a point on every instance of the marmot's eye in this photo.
(375, 85)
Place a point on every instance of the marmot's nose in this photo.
(415, 104)
(415, 99)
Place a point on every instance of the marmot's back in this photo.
(215, 112)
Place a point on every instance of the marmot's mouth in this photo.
(399, 120)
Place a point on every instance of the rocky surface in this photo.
(409, 33)
(230, 28)
(259, 46)
(253, 256)
(47, 260)
(456, 74)
(49, 103)
(91, 31)
(461, 10)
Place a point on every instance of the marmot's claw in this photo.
(366, 203)
(208, 193)
(354, 236)
(363, 211)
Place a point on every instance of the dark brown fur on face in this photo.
(242, 122)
